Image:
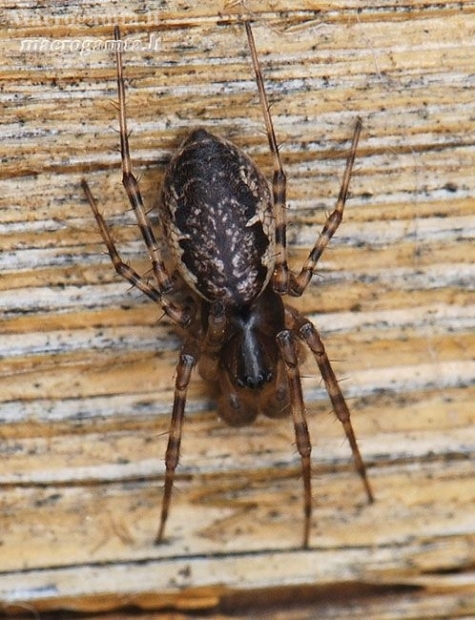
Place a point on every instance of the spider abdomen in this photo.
(216, 212)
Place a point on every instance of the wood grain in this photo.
(87, 366)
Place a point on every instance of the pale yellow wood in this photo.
(87, 366)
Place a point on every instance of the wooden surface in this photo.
(87, 366)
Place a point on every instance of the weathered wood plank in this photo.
(86, 366)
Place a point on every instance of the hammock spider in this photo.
(226, 230)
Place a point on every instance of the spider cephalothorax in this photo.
(250, 370)
(225, 231)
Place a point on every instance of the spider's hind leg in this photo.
(164, 284)
(299, 283)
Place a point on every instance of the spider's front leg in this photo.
(308, 332)
(206, 350)
(184, 369)
(288, 350)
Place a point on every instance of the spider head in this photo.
(251, 373)
(250, 356)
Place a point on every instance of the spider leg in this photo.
(288, 351)
(208, 355)
(299, 283)
(281, 271)
(213, 342)
(312, 338)
(130, 182)
(163, 280)
(186, 363)
(172, 310)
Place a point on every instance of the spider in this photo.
(224, 226)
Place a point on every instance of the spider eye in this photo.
(255, 382)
